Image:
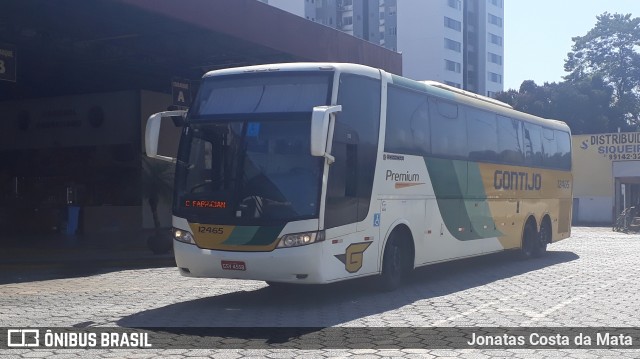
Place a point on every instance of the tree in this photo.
(583, 104)
(608, 51)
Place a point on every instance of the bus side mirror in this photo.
(322, 131)
(152, 133)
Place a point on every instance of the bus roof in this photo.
(430, 87)
(299, 66)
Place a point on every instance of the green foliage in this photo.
(583, 105)
(609, 51)
(601, 93)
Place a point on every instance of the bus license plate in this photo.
(233, 265)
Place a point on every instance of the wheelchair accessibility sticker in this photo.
(376, 219)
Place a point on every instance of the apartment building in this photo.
(457, 42)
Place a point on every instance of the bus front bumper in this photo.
(288, 265)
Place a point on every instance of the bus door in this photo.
(348, 210)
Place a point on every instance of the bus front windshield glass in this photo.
(245, 157)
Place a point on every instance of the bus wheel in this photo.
(529, 240)
(393, 266)
(544, 237)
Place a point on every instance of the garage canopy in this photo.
(69, 47)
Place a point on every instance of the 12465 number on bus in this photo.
(211, 230)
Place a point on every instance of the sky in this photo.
(537, 34)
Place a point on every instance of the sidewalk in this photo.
(103, 250)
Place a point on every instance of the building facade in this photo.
(457, 42)
(606, 176)
(72, 130)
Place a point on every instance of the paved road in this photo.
(590, 279)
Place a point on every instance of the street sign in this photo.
(181, 91)
(7, 62)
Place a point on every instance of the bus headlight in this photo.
(183, 236)
(300, 239)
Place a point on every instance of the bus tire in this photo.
(529, 239)
(394, 262)
(544, 238)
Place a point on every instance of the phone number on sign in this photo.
(624, 156)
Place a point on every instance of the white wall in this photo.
(421, 34)
(594, 210)
(489, 47)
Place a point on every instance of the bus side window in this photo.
(407, 122)
(510, 141)
(532, 144)
(483, 135)
(549, 148)
(448, 129)
(563, 141)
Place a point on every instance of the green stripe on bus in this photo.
(241, 235)
(253, 235)
(461, 198)
(478, 206)
(266, 235)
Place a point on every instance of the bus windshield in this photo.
(249, 171)
(262, 93)
(245, 157)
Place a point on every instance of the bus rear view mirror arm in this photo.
(152, 133)
(322, 124)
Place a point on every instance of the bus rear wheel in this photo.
(544, 238)
(530, 239)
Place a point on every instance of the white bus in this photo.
(320, 172)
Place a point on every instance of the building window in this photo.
(495, 58)
(393, 30)
(347, 20)
(454, 84)
(494, 77)
(454, 4)
(495, 39)
(452, 24)
(391, 10)
(497, 3)
(495, 20)
(452, 45)
(452, 66)
(491, 94)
